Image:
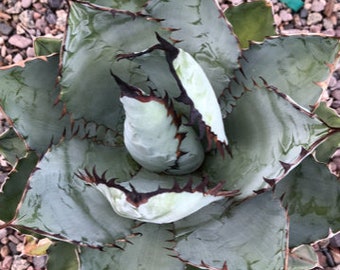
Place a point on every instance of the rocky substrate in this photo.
(22, 21)
(11, 247)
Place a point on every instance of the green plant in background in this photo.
(261, 206)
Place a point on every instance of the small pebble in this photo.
(332, 82)
(39, 261)
(329, 32)
(13, 247)
(314, 18)
(335, 104)
(20, 41)
(4, 240)
(318, 5)
(327, 24)
(316, 28)
(4, 251)
(51, 18)
(336, 94)
(41, 24)
(7, 263)
(54, 4)
(15, 9)
(3, 233)
(303, 13)
(277, 19)
(285, 15)
(19, 264)
(26, 3)
(30, 52)
(13, 239)
(26, 18)
(36, 15)
(17, 58)
(19, 29)
(5, 29)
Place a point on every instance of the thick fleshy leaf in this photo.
(176, 151)
(267, 136)
(203, 32)
(62, 256)
(95, 37)
(46, 46)
(240, 240)
(131, 5)
(212, 212)
(60, 204)
(11, 146)
(13, 189)
(154, 198)
(149, 249)
(312, 196)
(324, 152)
(28, 95)
(251, 21)
(328, 115)
(293, 64)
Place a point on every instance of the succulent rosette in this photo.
(159, 129)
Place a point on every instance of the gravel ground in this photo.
(22, 21)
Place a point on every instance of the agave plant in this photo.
(159, 137)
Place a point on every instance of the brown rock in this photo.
(4, 240)
(329, 8)
(20, 41)
(13, 239)
(4, 251)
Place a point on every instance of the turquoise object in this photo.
(295, 5)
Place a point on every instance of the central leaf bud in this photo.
(155, 136)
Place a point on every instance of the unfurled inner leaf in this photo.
(161, 204)
(195, 91)
(155, 136)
